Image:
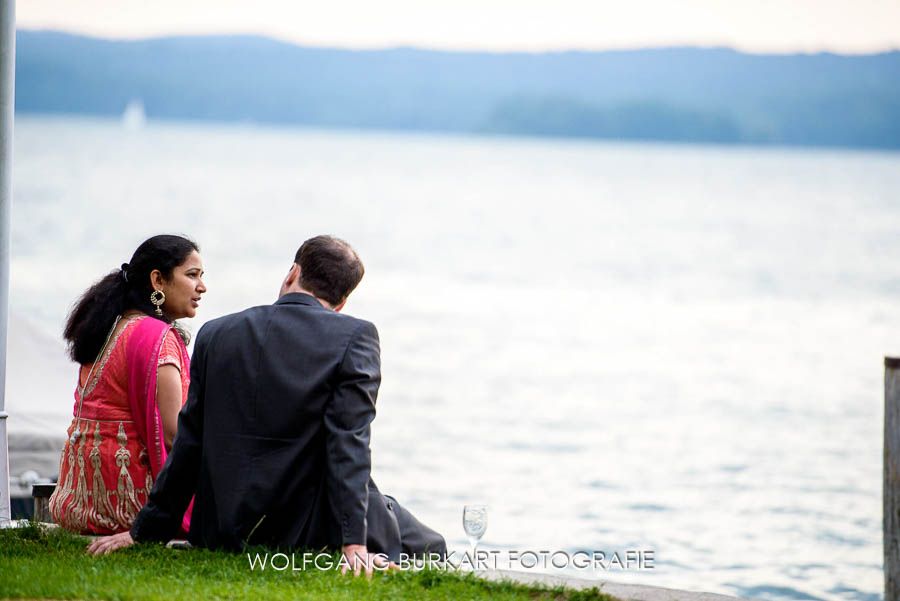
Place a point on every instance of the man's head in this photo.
(326, 267)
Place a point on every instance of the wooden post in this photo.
(41, 494)
(891, 479)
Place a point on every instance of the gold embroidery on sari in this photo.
(170, 360)
(101, 511)
(127, 506)
(78, 508)
(144, 459)
(61, 496)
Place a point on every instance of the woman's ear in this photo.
(156, 279)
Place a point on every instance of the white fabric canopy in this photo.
(40, 382)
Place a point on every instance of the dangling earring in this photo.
(158, 297)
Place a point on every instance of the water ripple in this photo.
(774, 592)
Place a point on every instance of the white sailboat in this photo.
(134, 117)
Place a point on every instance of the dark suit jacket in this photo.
(274, 437)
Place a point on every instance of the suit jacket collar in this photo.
(299, 298)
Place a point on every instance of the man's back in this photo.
(280, 405)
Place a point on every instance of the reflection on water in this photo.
(614, 346)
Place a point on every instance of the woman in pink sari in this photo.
(133, 379)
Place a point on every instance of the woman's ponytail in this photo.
(93, 315)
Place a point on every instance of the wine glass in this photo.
(474, 523)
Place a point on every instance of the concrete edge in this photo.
(626, 592)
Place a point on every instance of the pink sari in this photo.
(106, 474)
(142, 359)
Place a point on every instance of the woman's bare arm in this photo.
(168, 399)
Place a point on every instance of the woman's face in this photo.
(184, 288)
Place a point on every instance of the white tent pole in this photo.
(7, 103)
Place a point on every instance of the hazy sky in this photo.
(751, 25)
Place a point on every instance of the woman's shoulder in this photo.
(144, 322)
(172, 342)
(145, 333)
(170, 353)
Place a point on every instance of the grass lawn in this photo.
(52, 564)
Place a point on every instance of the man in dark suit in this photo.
(273, 441)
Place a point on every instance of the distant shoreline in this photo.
(686, 95)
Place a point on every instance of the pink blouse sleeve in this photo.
(170, 354)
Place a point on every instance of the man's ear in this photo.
(339, 307)
(293, 275)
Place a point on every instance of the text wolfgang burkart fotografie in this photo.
(630, 559)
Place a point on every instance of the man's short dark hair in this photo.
(329, 268)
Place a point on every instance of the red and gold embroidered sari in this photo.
(106, 475)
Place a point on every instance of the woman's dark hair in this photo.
(125, 288)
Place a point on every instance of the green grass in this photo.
(52, 564)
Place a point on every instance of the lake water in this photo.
(613, 346)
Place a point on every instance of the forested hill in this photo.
(680, 94)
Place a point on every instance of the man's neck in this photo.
(302, 290)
